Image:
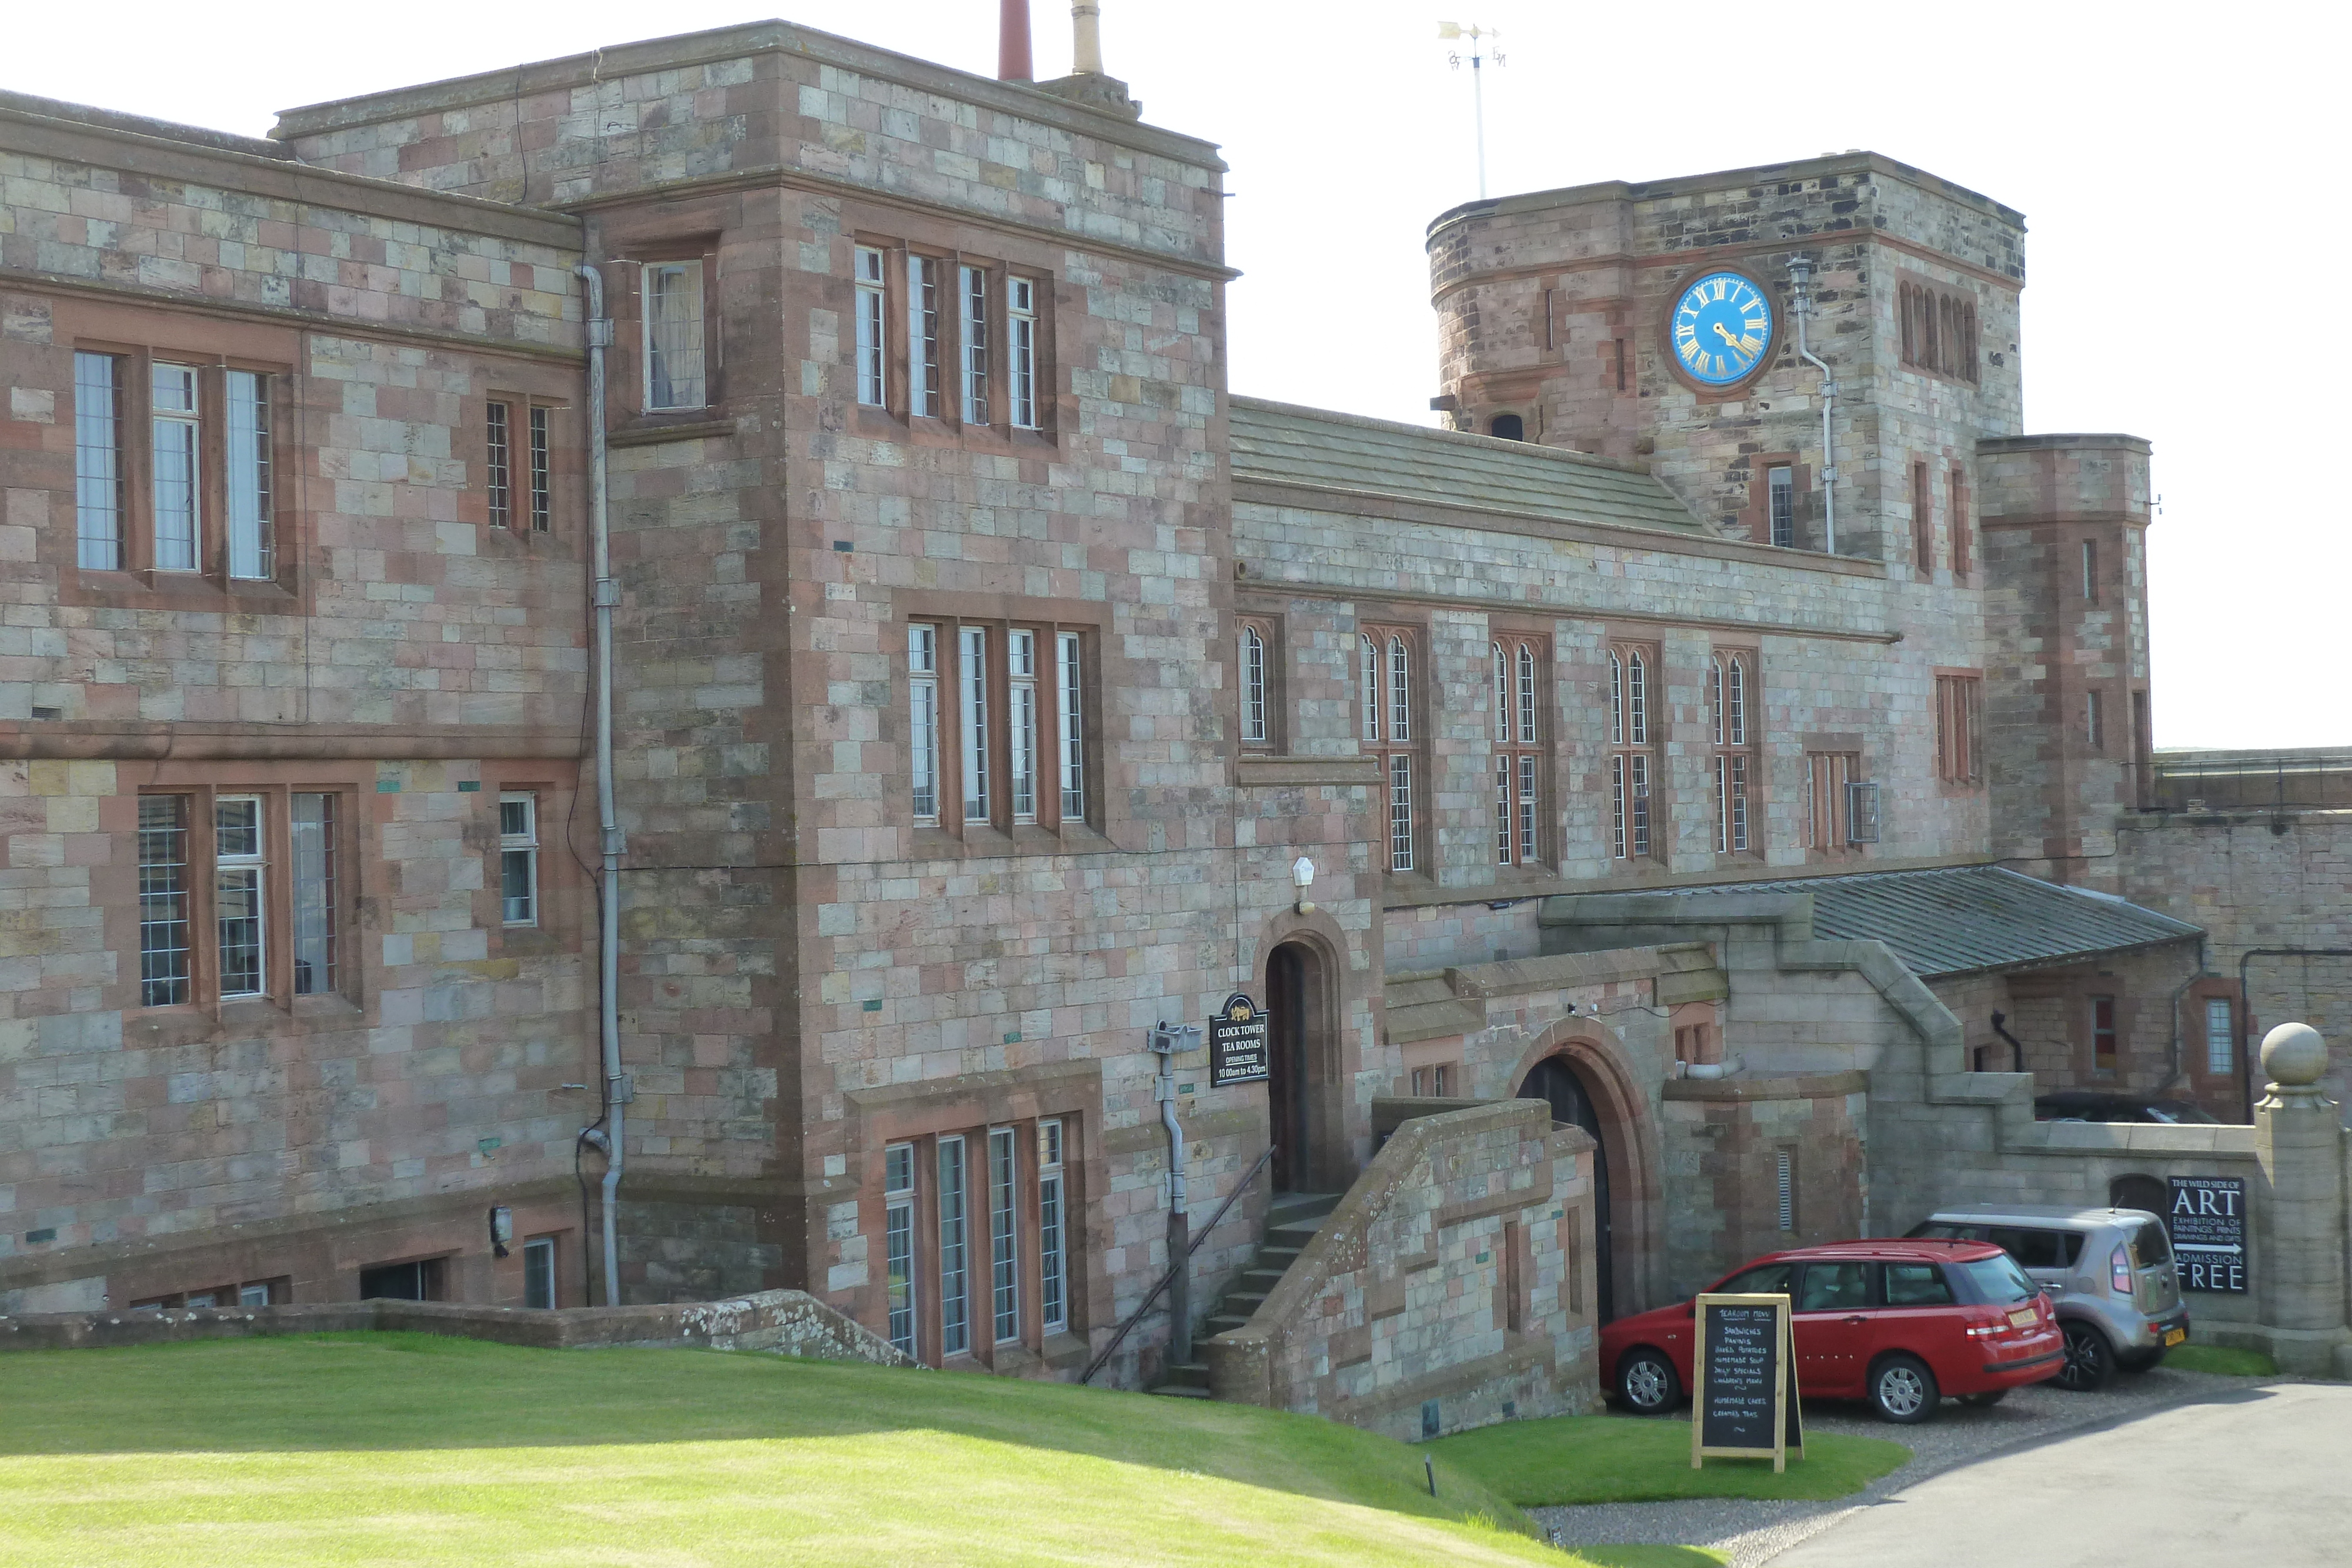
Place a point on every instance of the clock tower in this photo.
(1652, 322)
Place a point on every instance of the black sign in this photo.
(1740, 1383)
(2207, 1221)
(1237, 1043)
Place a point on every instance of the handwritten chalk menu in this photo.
(2207, 1221)
(1237, 1034)
(1744, 1395)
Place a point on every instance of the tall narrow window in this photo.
(1004, 1233)
(501, 431)
(955, 1282)
(237, 893)
(1387, 715)
(2091, 571)
(975, 344)
(1069, 677)
(542, 492)
(1784, 1182)
(538, 1272)
(1254, 729)
(163, 937)
(873, 386)
(1727, 691)
(923, 335)
(1830, 776)
(1631, 763)
(518, 858)
(2220, 1035)
(972, 673)
(251, 547)
(1517, 705)
(1957, 503)
(98, 462)
(314, 845)
(2094, 728)
(1020, 720)
(923, 720)
(2105, 1050)
(1923, 523)
(1780, 497)
(1053, 1254)
(898, 1241)
(674, 335)
(1959, 705)
(1021, 311)
(177, 485)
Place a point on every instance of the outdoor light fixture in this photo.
(1302, 877)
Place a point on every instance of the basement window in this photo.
(422, 1279)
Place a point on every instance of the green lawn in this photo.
(414, 1449)
(2222, 1359)
(1623, 1458)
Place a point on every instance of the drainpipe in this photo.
(608, 936)
(1167, 1040)
(1801, 305)
(2016, 1046)
(2178, 1070)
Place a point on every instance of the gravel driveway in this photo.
(1754, 1533)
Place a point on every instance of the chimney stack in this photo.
(1085, 52)
(1012, 41)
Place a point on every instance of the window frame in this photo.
(1519, 729)
(527, 845)
(1390, 718)
(704, 377)
(1923, 522)
(1058, 686)
(1260, 686)
(205, 871)
(548, 1246)
(870, 324)
(2098, 1007)
(1735, 765)
(1635, 830)
(1830, 772)
(1959, 729)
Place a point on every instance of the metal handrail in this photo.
(1216, 1219)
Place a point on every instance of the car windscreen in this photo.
(1994, 1282)
(2149, 1243)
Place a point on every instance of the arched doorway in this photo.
(1299, 1053)
(1554, 1081)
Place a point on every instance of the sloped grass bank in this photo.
(414, 1449)
(1571, 1459)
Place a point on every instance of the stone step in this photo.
(1218, 1323)
(1179, 1391)
(1185, 1374)
(1260, 1279)
(1241, 1303)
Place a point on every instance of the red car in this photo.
(1898, 1323)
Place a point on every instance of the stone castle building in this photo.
(982, 672)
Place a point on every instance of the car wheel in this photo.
(1982, 1400)
(1647, 1381)
(1901, 1390)
(2090, 1360)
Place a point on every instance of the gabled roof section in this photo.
(1967, 919)
(1281, 443)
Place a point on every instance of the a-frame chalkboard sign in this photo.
(1744, 1381)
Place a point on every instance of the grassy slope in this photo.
(1621, 1458)
(419, 1450)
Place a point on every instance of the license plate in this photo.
(2174, 1337)
(2021, 1318)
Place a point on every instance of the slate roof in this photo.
(1283, 444)
(1970, 918)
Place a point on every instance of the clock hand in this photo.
(1724, 333)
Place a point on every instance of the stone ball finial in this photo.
(2294, 1055)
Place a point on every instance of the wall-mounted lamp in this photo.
(1302, 877)
(501, 1229)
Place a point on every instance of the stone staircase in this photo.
(1291, 1223)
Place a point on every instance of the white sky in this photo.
(2179, 171)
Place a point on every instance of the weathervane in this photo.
(1476, 35)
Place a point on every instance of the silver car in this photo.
(2109, 1272)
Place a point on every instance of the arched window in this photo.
(1734, 763)
(1370, 683)
(1400, 691)
(1715, 700)
(1253, 686)
(1508, 427)
(1631, 762)
(1502, 694)
(1734, 692)
(1526, 695)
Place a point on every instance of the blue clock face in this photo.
(1722, 326)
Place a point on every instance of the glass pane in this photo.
(1053, 1307)
(1765, 1280)
(674, 335)
(1833, 1287)
(1916, 1285)
(898, 1250)
(175, 495)
(97, 464)
(518, 869)
(314, 893)
(236, 824)
(162, 900)
(955, 1331)
(248, 475)
(1002, 1238)
(539, 1273)
(514, 819)
(238, 901)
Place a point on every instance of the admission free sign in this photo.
(2207, 1222)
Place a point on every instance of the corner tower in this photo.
(1559, 313)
